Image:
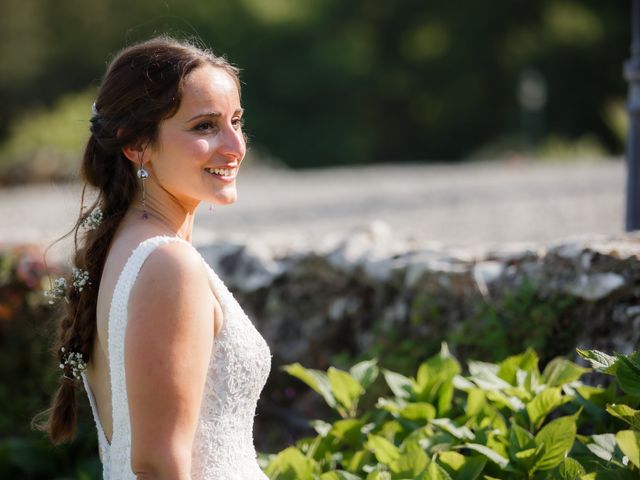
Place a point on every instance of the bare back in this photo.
(124, 242)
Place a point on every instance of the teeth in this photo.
(220, 171)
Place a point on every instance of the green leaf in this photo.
(436, 472)
(345, 388)
(603, 446)
(349, 431)
(476, 401)
(626, 413)
(569, 469)
(485, 375)
(365, 372)
(599, 361)
(290, 464)
(520, 438)
(461, 467)
(628, 374)
(315, 379)
(446, 424)
(418, 411)
(385, 451)
(543, 404)
(527, 361)
(557, 437)
(629, 443)
(492, 455)
(399, 384)
(339, 475)
(411, 462)
(560, 371)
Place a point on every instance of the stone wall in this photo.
(349, 295)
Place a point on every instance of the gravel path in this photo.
(479, 203)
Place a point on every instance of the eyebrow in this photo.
(240, 111)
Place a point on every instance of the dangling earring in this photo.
(143, 175)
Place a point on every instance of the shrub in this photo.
(505, 420)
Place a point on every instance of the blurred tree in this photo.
(333, 82)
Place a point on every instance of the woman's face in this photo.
(198, 151)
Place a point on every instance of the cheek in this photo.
(201, 147)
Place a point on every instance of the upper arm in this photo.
(168, 343)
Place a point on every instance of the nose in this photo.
(233, 144)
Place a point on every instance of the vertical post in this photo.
(632, 74)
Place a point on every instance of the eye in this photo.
(238, 122)
(204, 126)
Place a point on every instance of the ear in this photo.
(135, 151)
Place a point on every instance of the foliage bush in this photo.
(505, 420)
(28, 378)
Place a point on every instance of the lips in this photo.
(223, 173)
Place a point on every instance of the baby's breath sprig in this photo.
(79, 279)
(93, 220)
(73, 363)
(57, 291)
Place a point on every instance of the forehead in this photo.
(209, 88)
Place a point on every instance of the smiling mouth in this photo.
(226, 173)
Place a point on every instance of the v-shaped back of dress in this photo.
(240, 363)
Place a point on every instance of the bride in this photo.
(172, 366)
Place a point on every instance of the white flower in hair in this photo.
(93, 220)
(79, 279)
(74, 363)
(57, 291)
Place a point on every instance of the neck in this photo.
(166, 212)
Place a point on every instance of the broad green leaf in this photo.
(321, 427)
(411, 462)
(379, 475)
(316, 379)
(527, 362)
(345, 388)
(339, 475)
(492, 455)
(446, 424)
(569, 469)
(560, 371)
(437, 370)
(626, 413)
(603, 446)
(461, 467)
(349, 431)
(628, 375)
(365, 372)
(290, 464)
(445, 398)
(629, 443)
(436, 472)
(543, 404)
(385, 451)
(476, 400)
(418, 411)
(399, 384)
(520, 438)
(357, 460)
(557, 437)
(485, 375)
(599, 361)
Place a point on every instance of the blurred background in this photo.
(460, 124)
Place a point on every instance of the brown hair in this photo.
(142, 86)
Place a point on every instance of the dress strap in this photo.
(121, 437)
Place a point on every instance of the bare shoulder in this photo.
(173, 261)
(172, 288)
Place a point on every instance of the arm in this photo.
(168, 345)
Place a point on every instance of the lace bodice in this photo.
(240, 363)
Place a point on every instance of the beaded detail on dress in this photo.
(240, 363)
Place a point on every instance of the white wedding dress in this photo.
(223, 447)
